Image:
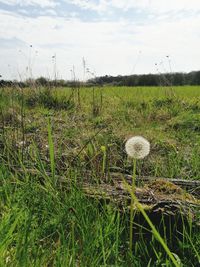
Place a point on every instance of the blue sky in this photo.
(114, 37)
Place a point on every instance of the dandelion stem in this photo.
(132, 203)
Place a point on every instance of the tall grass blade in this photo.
(154, 231)
(51, 151)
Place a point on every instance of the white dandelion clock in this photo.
(137, 147)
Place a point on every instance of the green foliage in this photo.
(46, 222)
(186, 121)
(48, 99)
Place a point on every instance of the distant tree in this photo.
(196, 78)
(41, 81)
(178, 79)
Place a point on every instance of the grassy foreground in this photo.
(47, 134)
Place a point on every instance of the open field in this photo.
(63, 132)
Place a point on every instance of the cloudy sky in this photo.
(97, 37)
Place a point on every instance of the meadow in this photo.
(51, 137)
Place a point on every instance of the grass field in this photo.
(62, 132)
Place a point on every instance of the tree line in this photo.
(160, 79)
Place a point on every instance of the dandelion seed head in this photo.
(137, 147)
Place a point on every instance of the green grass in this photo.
(46, 223)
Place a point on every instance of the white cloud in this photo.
(41, 3)
(108, 47)
(101, 6)
(155, 6)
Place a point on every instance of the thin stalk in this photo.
(132, 203)
(22, 122)
(73, 244)
(103, 149)
(103, 248)
(51, 151)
